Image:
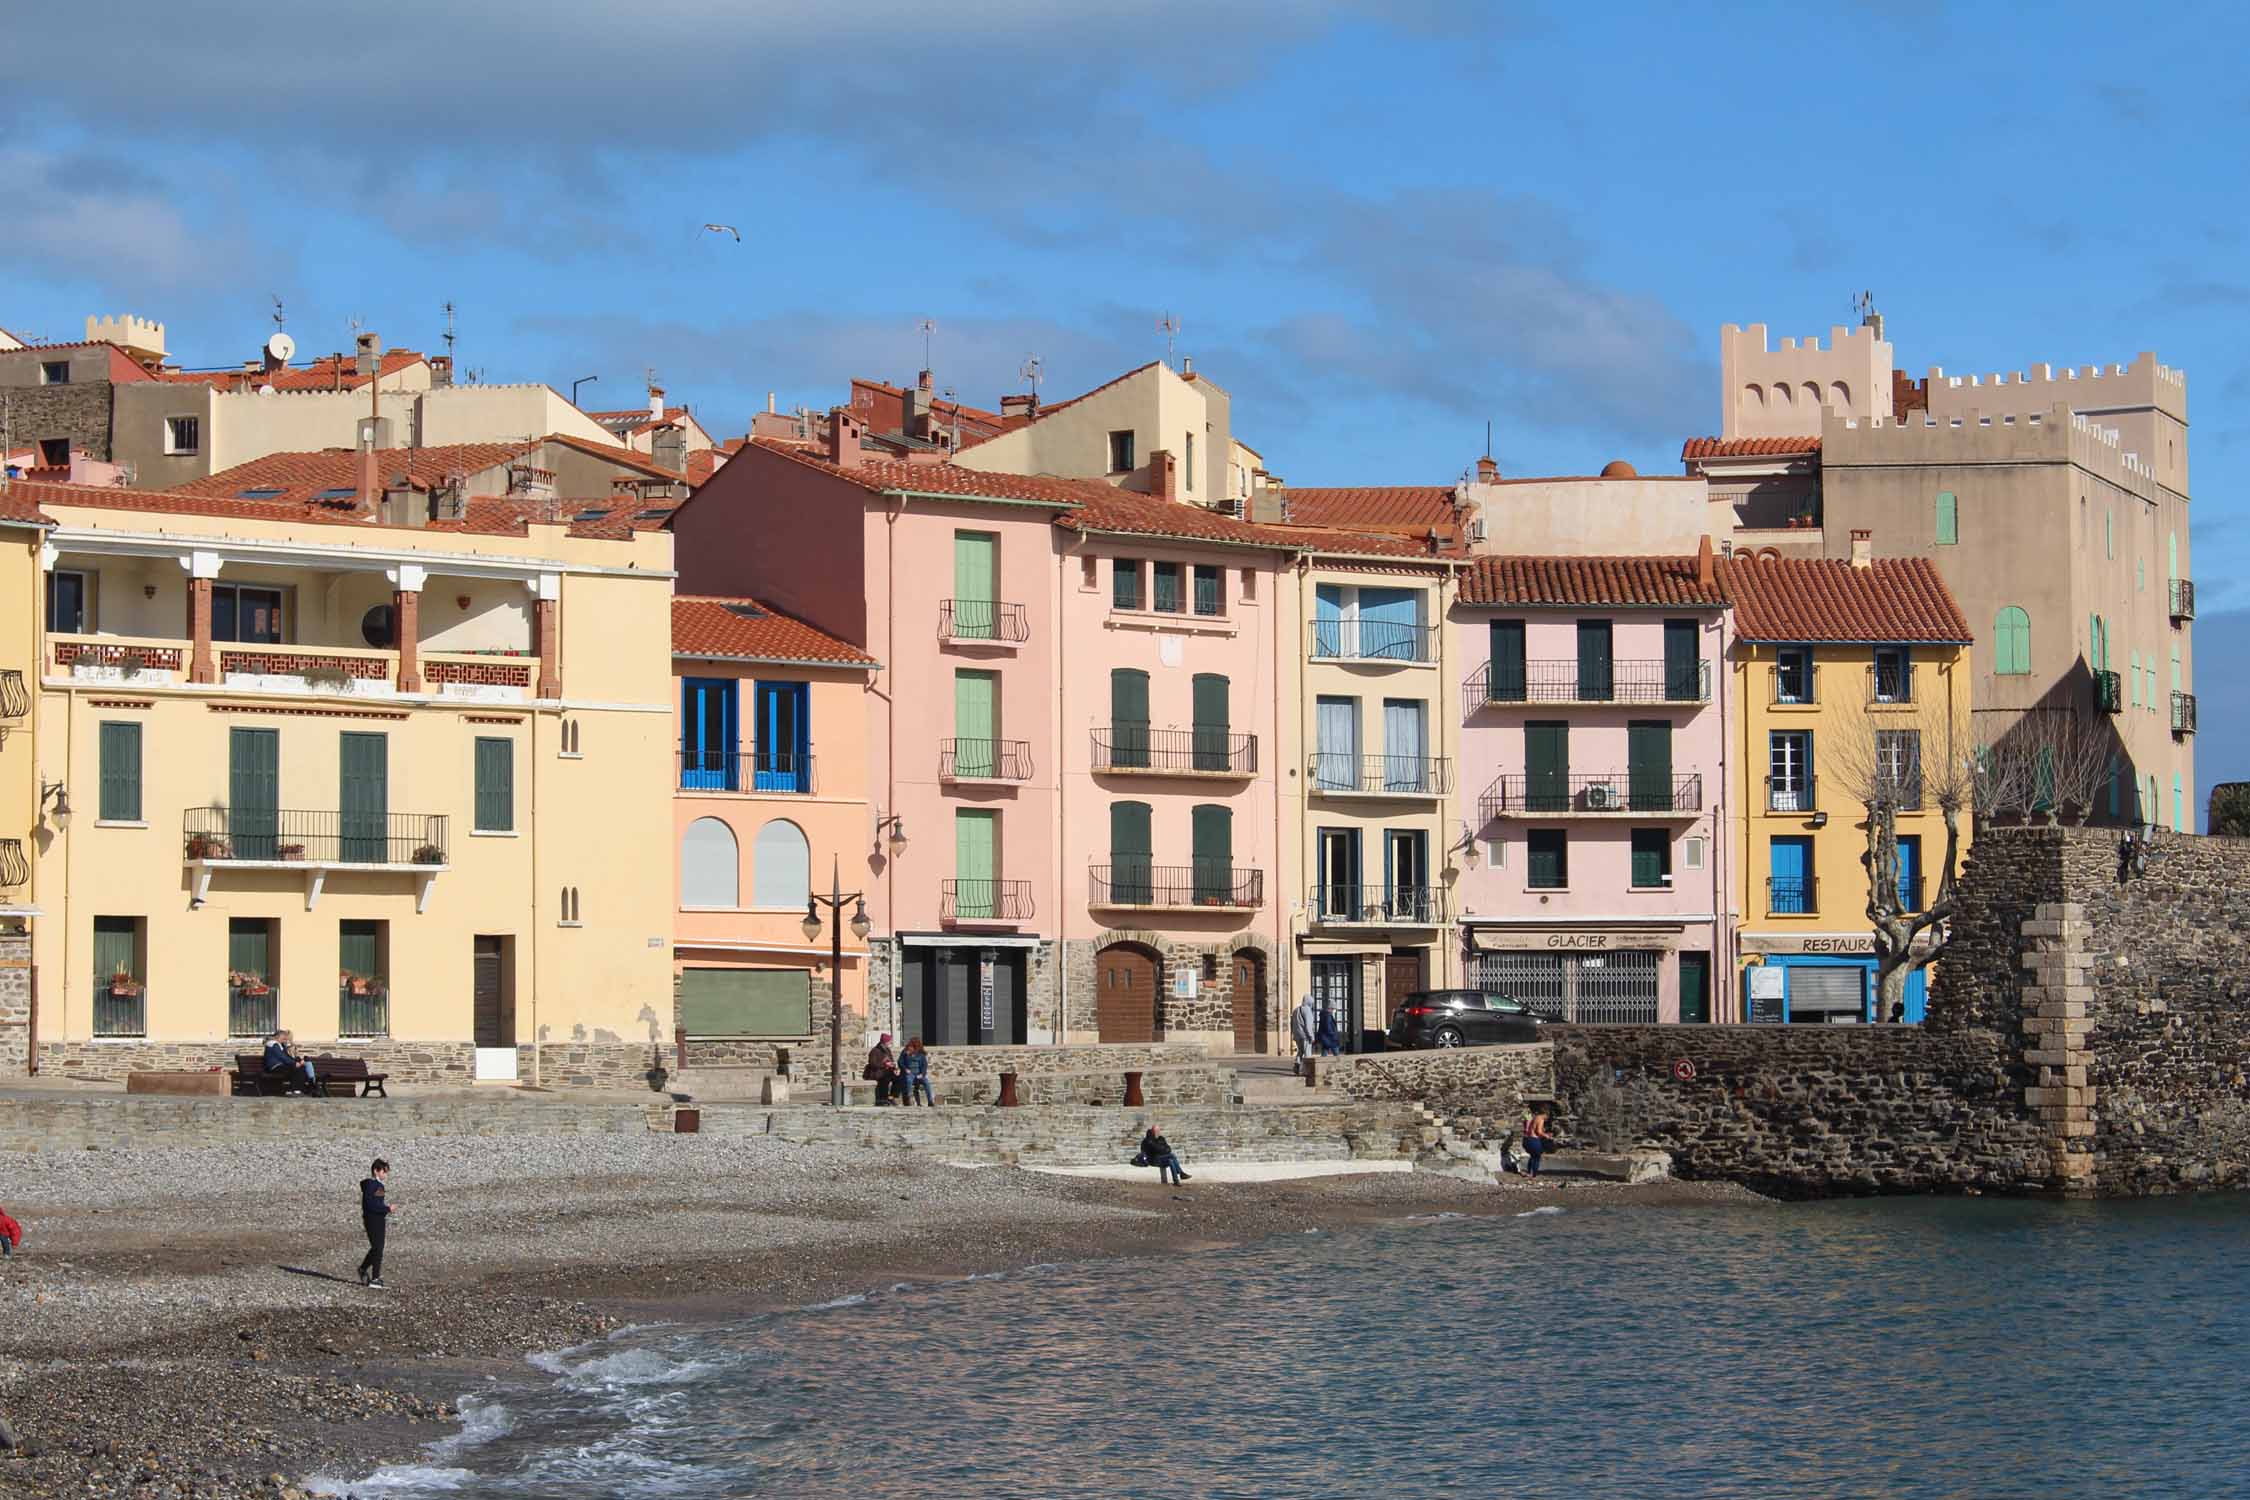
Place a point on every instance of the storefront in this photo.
(953, 994)
(1618, 974)
(1818, 979)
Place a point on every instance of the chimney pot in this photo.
(1863, 549)
(843, 439)
(1163, 475)
(1488, 470)
(1706, 572)
(924, 381)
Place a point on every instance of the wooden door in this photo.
(364, 797)
(1402, 976)
(1125, 995)
(254, 787)
(975, 577)
(494, 1026)
(1546, 764)
(1249, 1003)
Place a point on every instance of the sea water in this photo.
(1961, 1347)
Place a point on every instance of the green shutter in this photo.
(121, 772)
(1130, 852)
(975, 866)
(254, 792)
(1546, 761)
(1506, 683)
(1211, 695)
(364, 800)
(359, 948)
(1214, 852)
(1652, 848)
(746, 1002)
(1125, 584)
(1648, 763)
(1595, 683)
(1948, 519)
(975, 723)
(1683, 663)
(496, 785)
(1128, 717)
(974, 615)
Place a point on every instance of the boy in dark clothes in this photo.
(375, 1216)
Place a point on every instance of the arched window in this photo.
(1754, 395)
(2011, 641)
(1782, 395)
(710, 865)
(1839, 395)
(1812, 394)
(780, 865)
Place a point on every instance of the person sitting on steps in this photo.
(914, 1074)
(882, 1071)
(1157, 1152)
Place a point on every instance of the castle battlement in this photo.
(141, 335)
(2143, 382)
(1975, 436)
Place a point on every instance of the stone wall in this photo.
(810, 1066)
(96, 1121)
(15, 1004)
(607, 1065)
(1209, 1013)
(1446, 1079)
(79, 411)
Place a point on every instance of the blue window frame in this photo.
(783, 760)
(709, 735)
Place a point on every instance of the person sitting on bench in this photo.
(282, 1061)
(1157, 1152)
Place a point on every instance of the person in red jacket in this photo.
(11, 1235)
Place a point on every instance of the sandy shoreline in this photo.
(157, 1343)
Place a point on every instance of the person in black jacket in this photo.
(375, 1216)
(1157, 1152)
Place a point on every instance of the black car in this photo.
(1461, 1018)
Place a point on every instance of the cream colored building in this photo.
(22, 816)
(1113, 432)
(403, 790)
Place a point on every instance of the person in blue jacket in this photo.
(375, 1217)
(914, 1070)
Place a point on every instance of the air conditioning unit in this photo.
(1602, 797)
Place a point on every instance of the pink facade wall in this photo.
(767, 525)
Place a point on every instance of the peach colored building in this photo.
(1594, 773)
(769, 801)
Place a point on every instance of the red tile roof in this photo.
(330, 372)
(742, 629)
(884, 475)
(1756, 447)
(487, 515)
(19, 507)
(937, 403)
(301, 476)
(1133, 514)
(1826, 599)
(1398, 506)
(1607, 582)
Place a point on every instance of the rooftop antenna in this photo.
(1864, 305)
(449, 329)
(1488, 437)
(927, 327)
(1033, 371)
(1169, 326)
(954, 401)
(278, 319)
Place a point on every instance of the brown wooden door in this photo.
(1249, 1003)
(1402, 976)
(1125, 995)
(494, 1026)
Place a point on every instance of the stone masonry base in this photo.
(607, 1065)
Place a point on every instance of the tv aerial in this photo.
(1169, 325)
(1032, 372)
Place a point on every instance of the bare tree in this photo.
(1897, 763)
(2052, 764)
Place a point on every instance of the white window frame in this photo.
(173, 447)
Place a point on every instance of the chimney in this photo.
(1863, 549)
(656, 403)
(769, 403)
(925, 382)
(843, 439)
(1187, 364)
(1163, 475)
(370, 354)
(1706, 572)
(668, 449)
(1025, 406)
(441, 370)
(1488, 470)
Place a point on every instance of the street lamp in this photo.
(834, 901)
(575, 384)
(57, 793)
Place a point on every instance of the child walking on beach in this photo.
(375, 1217)
(11, 1235)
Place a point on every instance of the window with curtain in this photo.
(2011, 641)
(710, 865)
(1390, 625)
(1336, 744)
(496, 785)
(1328, 620)
(780, 865)
(121, 772)
(1406, 764)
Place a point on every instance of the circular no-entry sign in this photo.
(1683, 1070)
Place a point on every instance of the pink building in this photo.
(1594, 777)
(770, 793)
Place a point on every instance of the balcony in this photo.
(314, 843)
(984, 760)
(982, 622)
(1909, 893)
(1615, 795)
(746, 771)
(120, 1007)
(15, 869)
(1330, 905)
(1202, 886)
(2183, 599)
(499, 676)
(363, 1007)
(1378, 641)
(1792, 896)
(1415, 776)
(1890, 686)
(1791, 794)
(253, 1006)
(2109, 692)
(2183, 713)
(962, 902)
(1126, 748)
(1568, 681)
(15, 699)
(1795, 687)
(121, 661)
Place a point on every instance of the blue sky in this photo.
(1380, 225)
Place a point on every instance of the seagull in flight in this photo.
(725, 229)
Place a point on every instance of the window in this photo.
(121, 772)
(569, 743)
(1128, 718)
(2133, 679)
(709, 735)
(1131, 854)
(1336, 744)
(1125, 584)
(2140, 575)
(1691, 852)
(2109, 533)
(1909, 872)
(1167, 591)
(1089, 572)
(1210, 590)
(710, 865)
(1898, 766)
(1212, 740)
(2176, 687)
(66, 602)
(780, 865)
(496, 785)
(379, 627)
(1789, 885)
(54, 453)
(1121, 452)
(1948, 519)
(120, 1006)
(55, 372)
(1652, 859)
(1596, 683)
(2011, 641)
(1249, 585)
(1406, 746)
(976, 579)
(1894, 675)
(242, 613)
(1789, 784)
(1547, 852)
(363, 993)
(183, 434)
(1793, 675)
(1187, 465)
(976, 724)
(253, 1009)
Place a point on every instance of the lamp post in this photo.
(575, 384)
(834, 901)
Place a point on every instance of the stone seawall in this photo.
(1065, 1135)
(102, 1121)
(1809, 1111)
(1501, 1077)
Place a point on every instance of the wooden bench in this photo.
(346, 1077)
(250, 1076)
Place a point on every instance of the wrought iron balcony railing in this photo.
(363, 1008)
(1133, 882)
(2109, 692)
(1372, 640)
(15, 869)
(1795, 686)
(982, 620)
(746, 771)
(253, 1009)
(1334, 905)
(15, 699)
(1338, 774)
(1890, 684)
(1128, 746)
(2183, 599)
(1791, 794)
(2183, 713)
(984, 760)
(120, 1009)
(1568, 680)
(1792, 895)
(984, 901)
(315, 837)
(1617, 794)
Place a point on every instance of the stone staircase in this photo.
(1161, 1086)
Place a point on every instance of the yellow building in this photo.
(22, 530)
(395, 783)
(1848, 674)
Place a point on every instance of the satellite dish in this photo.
(282, 347)
(267, 390)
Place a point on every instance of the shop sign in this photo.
(985, 960)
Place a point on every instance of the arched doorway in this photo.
(1249, 1002)
(1125, 994)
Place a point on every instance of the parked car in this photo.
(1461, 1018)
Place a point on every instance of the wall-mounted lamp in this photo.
(895, 825)
(1820, 820)
(57, 793)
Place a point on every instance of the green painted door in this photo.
(976, 723)
(363, 800)
(1595, 681)
(1546, 763)
(254, 793)
(1695, 988)
(1214, 853)
(1128, 718)
(975, 572)
(1507, 682)
(975, 863)
(1210, 722)
(1648, 765)
(1683, 667)
(1131, 854)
